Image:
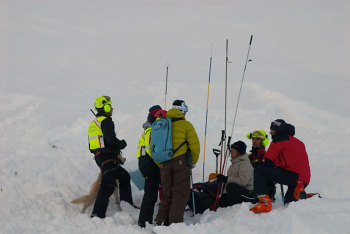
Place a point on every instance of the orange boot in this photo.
(299, 191)
(264, 204)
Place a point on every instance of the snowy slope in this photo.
(56, 57)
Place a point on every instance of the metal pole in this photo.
(206, 115)
(166, 86)
(240, 89)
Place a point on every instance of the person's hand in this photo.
(123, 144)
(221, 178)
(268, 162)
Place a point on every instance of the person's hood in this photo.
(175, 114)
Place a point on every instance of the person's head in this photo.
(154, 112)
(103, 104)
(181, 105)
(238, 148)
(259, 138)
(276, 125)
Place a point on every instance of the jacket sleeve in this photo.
(193, 143)
(245, 172)
(109, 135)
(273, 151)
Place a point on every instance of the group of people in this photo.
(250, 178)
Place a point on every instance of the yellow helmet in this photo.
(103, 102)
(259, 134)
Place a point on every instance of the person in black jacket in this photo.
(104, 144)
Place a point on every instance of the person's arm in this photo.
(244, 174)
(193, 143)
(111, 140)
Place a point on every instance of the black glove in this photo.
(268, 163)
(122, 144)
(222, 178)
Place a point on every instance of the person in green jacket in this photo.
(175, 173)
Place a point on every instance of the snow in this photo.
(56, 57)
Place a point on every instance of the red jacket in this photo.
(291, 155)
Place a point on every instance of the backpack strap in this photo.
(185, 142)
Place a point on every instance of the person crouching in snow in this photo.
(257, 153)
(286, 162)
(239, 179)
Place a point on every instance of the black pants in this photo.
(236, 194)
(111, 172)
(151, 172)
(265, 176)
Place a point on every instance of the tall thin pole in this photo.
(166, 86)
(206, 114)
(240, 89)
(226, 84)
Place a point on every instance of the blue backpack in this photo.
(161, 140)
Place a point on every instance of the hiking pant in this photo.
(236, 194)
(151, 172)
(175, 177)
(265, 176)
(110, 172)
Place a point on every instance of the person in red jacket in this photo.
(285, 162)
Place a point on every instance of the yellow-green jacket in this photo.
(183, 130)
(145, 144)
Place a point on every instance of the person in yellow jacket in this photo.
(149, 168)
(175, 173)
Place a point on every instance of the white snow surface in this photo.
(56, 57)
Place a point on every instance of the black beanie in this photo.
(277, 124)
(178, 102)
(240, 146)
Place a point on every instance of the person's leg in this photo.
(109, 175)
(167, 184)
(124, 185)
(180, 189)
(149, 198)
(238, 194)
(264, 176)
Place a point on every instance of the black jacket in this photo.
(112, 144)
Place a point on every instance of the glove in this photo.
(121, 159)
(222, 178)
(268, 163)
(123, 144)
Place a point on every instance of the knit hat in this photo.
(153, 109)
(275, 125)
(152, 115)
(181, 105)
(240, 146)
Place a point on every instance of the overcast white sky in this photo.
(303, 44)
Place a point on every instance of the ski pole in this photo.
(226, 84)
(206, 115)
(227, 153)
(240, 89)
(166, 86)
(194, 204)
(223, 138)
(282, 192)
